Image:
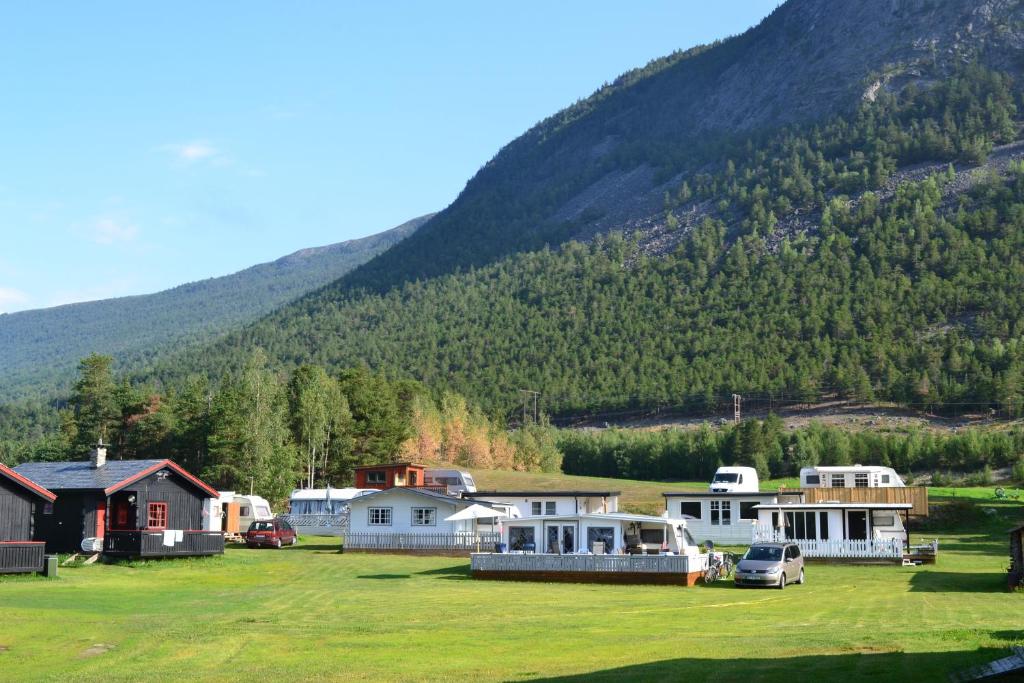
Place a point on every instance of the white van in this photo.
(735, 480)
(456, 481)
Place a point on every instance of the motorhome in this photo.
(850, 476)
(734, 480)
(456, 481)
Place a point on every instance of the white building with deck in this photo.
(854, 531)
(723, 518)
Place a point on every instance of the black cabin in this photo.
(136, 508)
(19, 498)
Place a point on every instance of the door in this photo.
(857, 525)
(552, 540)
(101, 519)
(568, 538)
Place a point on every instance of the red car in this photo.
(270, 532)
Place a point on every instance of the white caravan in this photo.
(735, 480)
(849, 476)
(456, 481)
(233, 513)
(321, 512)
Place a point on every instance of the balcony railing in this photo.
(21, 556)
(459, 540)
(160, 544)
(872, 548)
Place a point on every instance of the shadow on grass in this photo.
(385, 576)
(957, 582)
(874, 665)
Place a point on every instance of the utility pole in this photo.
(736, 401)
(527, 393)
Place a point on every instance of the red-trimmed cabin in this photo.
(19, 498)
(129, 508)
(389, 476)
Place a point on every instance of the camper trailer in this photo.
(233, 513)
(321, 512)
(454, 481)
(735, 480)
(850, 476)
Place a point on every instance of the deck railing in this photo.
(884, 548)
(318, 524)
(138, 543)
(627, 564)
(21, 556)
(459, 540)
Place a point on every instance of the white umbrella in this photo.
(475, 511)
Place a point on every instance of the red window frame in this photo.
(157, 516)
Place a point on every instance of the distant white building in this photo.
(547, 503)
(722, 518)
(837, 530)
(850, 476)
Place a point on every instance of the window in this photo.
(838, 481)
(413, 478)
(601, 534)
(263, 510)
(243, 511)
(690, 508)
(795, 551)
(375, 477)
(860, 480)
(747, 510)
(535, 508)
(157, 516)
(823, 525)
(47, 508)
(813, 479)
(549, 507)
(884, 520)
(521, 538)
(380, 516)
(885, 478)
(740, 479)
(721, 512)
(801, 525)
(424, 516)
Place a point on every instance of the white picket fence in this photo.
(882, 548)
(459, 540)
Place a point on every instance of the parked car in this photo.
(770, 564)
(270, 532)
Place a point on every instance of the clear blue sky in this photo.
(149, 144)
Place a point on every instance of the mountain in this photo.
(39, 349)
(832, 202)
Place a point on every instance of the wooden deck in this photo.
(617, 569)
(462, 541)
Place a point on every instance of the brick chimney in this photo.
(98, 455)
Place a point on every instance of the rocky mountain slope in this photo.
(40, 348)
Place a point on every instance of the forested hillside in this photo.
(39, 349)
(904, 291)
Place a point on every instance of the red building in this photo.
(389, 476)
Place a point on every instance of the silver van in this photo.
(770, 564)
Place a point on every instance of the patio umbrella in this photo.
(475, 512)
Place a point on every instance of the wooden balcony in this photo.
(18, 557)
(914, 495)
(159, 544)
(634, 569)
(458, 541)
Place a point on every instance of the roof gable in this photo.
(110, 478)
(440, 497)
(26, 483)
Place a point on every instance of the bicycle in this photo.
(720, 565)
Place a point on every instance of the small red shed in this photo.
(389, 476)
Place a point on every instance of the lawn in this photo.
(310, 613)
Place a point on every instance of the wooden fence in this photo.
(460, 540)
(915, 495)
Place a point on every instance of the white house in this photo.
(406, 518)
(837, 530)
(849, 476)
(599, 533)
(548, 503)
(723, 518)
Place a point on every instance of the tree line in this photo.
(264, 430)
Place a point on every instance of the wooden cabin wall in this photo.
(15, 512)
(73, 519)
(184, 502)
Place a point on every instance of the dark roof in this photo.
(412, 489)
(111, 477)
(26, 483)
(549, 494)
(751, 494)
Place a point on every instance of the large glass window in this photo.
(823, 525)
(747, 510)
(380, 516)
(690, 508)
(424, 516)
(802, 525)
(519, 537)
(601, 534)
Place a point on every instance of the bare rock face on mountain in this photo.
(599, 164)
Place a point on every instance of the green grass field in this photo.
(309, 613)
